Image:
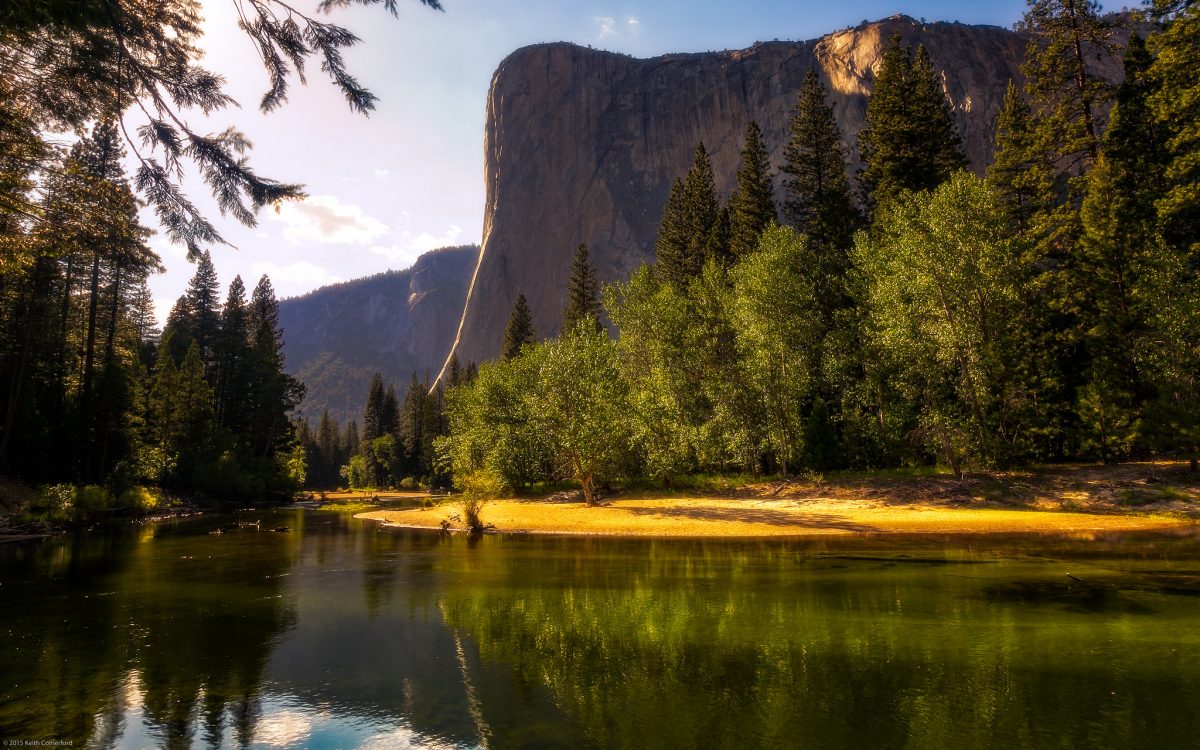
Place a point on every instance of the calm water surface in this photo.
(339, 634)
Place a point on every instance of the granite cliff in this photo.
(583, 145)
(398, 322)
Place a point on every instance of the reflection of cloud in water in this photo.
(282, 729)
(402, 738)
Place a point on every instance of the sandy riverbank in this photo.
(1064, 499)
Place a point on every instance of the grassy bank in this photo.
(1068, 499)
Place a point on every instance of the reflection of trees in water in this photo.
(739, 647)
(183, 625)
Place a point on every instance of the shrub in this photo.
(56, 498)
(478, 487)
(91, 499)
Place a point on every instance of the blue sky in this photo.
(409, 178)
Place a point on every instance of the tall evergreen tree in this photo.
(1116, 254)
(1022, 172)
(519, 330)
(374, 422)
(818, 203)
(909, 141)
(1176, 106)
(583, 293)
(232, 359)
(686, 233)
(752, 205)
(454, 371)
(203, 304)
(264, 309)
(412, 419)
(1065, 93)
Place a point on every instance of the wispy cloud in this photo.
(607, 26)
(409, 245)
(325, 219)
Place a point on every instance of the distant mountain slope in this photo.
(397, 322)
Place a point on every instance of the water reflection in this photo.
(341, 634)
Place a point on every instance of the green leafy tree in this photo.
(581, 410)
(583, 293)
(752, 205)
(519, 331)
(775, 314)
(942, 286)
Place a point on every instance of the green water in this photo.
(338, 634)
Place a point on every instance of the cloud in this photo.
(382, 173)
(633, 22)
(607, 24)
(326, 220)
(301, 275)
(410, 246)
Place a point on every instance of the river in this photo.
(341, 634)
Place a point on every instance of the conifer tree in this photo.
(583, 294)
(203, 305)
(752, 205)
(1176, 105)
(818, 203)
(1065, 93)
(1021, 173)
(686, 234)
(412, 419)
(519, 330)
(390, 414)
(373, 416)
(909, 141)
(1116, 253)
(454, 371)
(264, 309)
(232, 359)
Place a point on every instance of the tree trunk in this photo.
(1194, 465)
(589, 492)
(89, 366)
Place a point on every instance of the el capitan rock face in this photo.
(583, 145)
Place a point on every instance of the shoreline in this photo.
(717, 517)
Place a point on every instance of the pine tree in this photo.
(818, 203)
(390, 414)
(1065, 94)
(1176, 105)
(454, 371)
(1116, 253)
(1022, 172)
(909, 141)
(203, 305)
(264, 308)
(583, 294)
(685, 238)
(519, 330)
(374, 423)
(412, 416)
(232, 359)
(752, 205)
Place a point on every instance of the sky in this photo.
(409, 178)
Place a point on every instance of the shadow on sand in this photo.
(757, 515)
